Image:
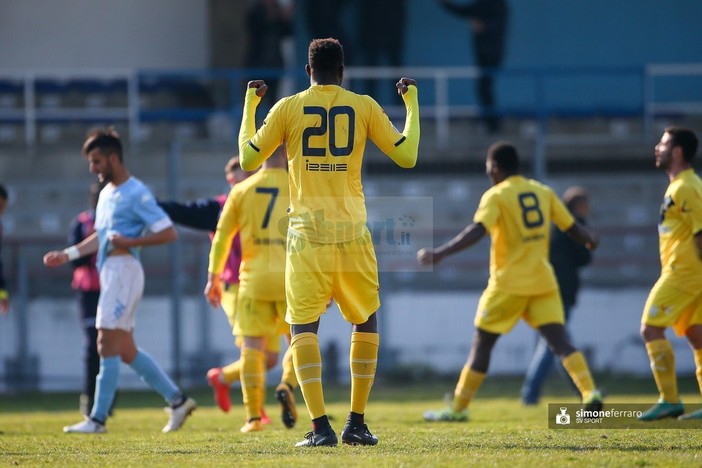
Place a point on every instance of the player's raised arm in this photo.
(250, 155)
(406, 150)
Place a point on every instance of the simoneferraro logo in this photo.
(617, 416)
(563, 417)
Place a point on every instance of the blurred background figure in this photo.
(567, 258)
(324, 20)
(4, 297)
(269, 25)
(86, 284)
(381, 40)
(488, 23)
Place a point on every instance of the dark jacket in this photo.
(489, 44)
(3, 285)
(567, 258)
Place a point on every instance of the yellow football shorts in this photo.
(260, 319)
(229, 295)
(499, 312)
(229, 299)
(346, 271)
(668, 306)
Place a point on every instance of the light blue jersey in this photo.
(127, 209)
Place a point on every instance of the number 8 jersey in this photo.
(325, 129)
(517, 213)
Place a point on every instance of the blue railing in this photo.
(138, 97)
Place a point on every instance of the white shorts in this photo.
(121, 288)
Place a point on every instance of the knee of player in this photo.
(271, 360)
(649, 333)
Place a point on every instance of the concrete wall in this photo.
(103, 34)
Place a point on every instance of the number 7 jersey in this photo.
(325, 129)
(257, 209)
(518, 213)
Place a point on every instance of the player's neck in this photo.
(674, 171)
(120, 178)
(325, 80)
(324, 83)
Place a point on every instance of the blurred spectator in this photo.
(567, 258)
(488, 22)
(382, 30)
(4, 297)
(324, 20)
(269, 24)
(86, 283)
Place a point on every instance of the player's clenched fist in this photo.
(260, 85)
(213, 290)
(403, 84)
(427, 257)
(55, 258)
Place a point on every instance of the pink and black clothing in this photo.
(203, 214)
(86, 284)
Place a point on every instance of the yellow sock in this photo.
(363, 362)
(231, 372)
(698, 365)
(579, 372)
(468, 383)
(308, 368)
(263, 384)
(289, 376)
(252, 370)
(660, 353)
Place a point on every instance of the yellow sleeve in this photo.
(690, 203)
(227, 227)
(255, 146)
(250, 157)
(406, 150)
(560, 215)
(488, 210)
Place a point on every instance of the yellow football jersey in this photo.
(257, 208)
(681, 219)
(517, 213)
(325, 129)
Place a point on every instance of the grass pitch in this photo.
(501, 432)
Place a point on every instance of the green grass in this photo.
(501, 432)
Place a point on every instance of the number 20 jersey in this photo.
(325, 129)
(517, 213)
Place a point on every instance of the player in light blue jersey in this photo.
(127, 218)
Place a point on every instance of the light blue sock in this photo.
(154, 376)
(105, 387)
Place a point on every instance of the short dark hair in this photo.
(573, 196)
(106, 140)
(504, 155)
(325, 56)
(3, 192)
(232, 165)
(685, 139)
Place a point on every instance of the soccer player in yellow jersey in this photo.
(676, 298)
(329, 249)
(517, 213)
(256, 208)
